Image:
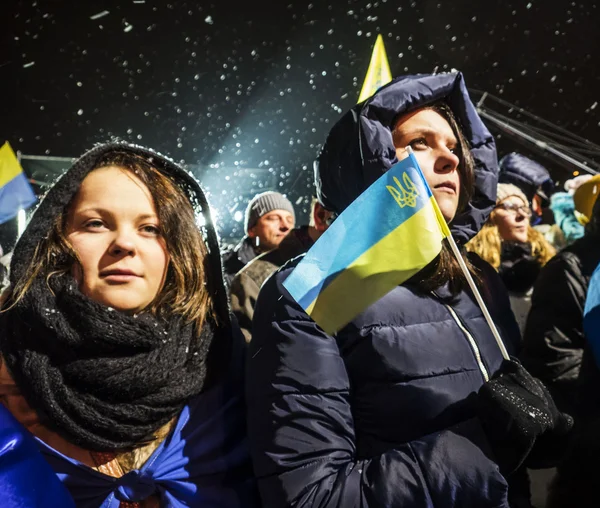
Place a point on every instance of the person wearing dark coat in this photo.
(268, 219)
(394, 410)
(246, 285)
(553, 341)
(512, 246)
(575, 483)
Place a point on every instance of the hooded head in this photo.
(360, 146)
(164, 176)
(531, 177)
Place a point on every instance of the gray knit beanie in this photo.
(265, 203)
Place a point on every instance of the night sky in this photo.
(249, 90)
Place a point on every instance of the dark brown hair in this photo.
(184, 291)
(445, 268)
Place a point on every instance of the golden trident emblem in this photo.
(404, 195)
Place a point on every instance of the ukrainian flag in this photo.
(378, 74)
(388, 234)
(15, 191)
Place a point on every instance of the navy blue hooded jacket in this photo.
(381, 414)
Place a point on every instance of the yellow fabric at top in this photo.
(9, 164)
(585, 198)
(378, 74)
(390, 262)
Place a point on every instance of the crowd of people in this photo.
(142, 366)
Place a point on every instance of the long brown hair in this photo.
(184, 291)
(445, 269)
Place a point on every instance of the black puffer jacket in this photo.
(381, 414)
(553, 341)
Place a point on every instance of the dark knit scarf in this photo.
(101, 379)
(518, 269)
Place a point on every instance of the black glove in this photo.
(520, 419)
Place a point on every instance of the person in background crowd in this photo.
(269, 218)
(584, 199)
(514, 248)
(395, 409)
(117, 347)
(562, 205)
(575, 483)
(535, 182)
(529, 176)
(554, 338)
(247, 283)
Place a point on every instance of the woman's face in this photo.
(434, 144)
(113, 227)
(511, 217)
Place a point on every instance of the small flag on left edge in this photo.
(15, 191)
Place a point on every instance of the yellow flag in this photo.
(379, 71)
(15, 192)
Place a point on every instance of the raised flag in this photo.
(15, 191)
(389, 233)
(378, 73)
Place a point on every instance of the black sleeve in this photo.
(553, 339)
(302, 434)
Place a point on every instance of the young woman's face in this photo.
(113, 227)
(434, 144)
(511, 217)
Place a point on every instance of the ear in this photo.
(320, 216)
(252, 232)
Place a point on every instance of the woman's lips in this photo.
(448, 187)
(118, 275)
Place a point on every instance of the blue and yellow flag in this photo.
(15, 191)
(389, 233)
(378, 73)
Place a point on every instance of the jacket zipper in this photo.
(471, 340)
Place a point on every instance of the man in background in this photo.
(269, 218)
(246, 284)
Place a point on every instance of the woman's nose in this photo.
(123, 244)
(446, 161)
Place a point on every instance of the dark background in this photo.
(237, 85)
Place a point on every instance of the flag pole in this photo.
(478, 297)
(471, 282)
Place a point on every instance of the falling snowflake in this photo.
(100, 15)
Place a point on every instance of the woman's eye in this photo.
(94, 224)
(153, 230)
(418, 143)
